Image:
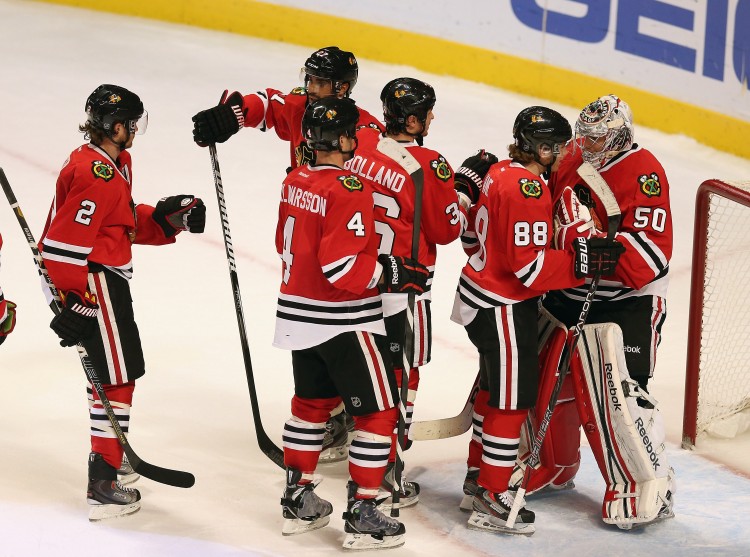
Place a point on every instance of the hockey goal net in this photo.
(717, 384)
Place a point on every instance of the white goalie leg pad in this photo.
(627, 438)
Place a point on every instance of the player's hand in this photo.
(596, 256)
(572, 219)
(9, 323)
(219, 123)
(470, 175)
(77, 320)
(402, 275)
(180, 212)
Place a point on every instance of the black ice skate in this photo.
(367, 527)
(303, 509)
(409, 497)
(125, 474)
(491, 512)
(337, 438)
(470, 489)
(107, 498)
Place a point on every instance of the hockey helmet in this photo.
(330, 62)
(604, 128)
(404, 97)
(110, 104)
(326, 120)
(538, 126)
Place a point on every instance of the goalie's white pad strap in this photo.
(630, 445)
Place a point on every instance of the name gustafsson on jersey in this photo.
(304, 200)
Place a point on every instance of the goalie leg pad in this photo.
(625, 430)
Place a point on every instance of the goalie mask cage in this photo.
(717, 382)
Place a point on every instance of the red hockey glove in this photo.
(77, 320)
(402, 275)
(572, 219)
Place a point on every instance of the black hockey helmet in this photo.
(326, 120)
(404, 97)
(538, 125)
(110, 104)
(330, 62)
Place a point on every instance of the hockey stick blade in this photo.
(158, 474)
(444, 428)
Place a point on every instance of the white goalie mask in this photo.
(603, 129)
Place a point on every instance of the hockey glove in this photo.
(180, 212)
(9, 323)
(77, 320)
(402, 275)
(470, 175)
(572, 220)
(596, 255)
(219, 123)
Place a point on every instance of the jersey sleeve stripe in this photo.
(62, 246)
(334, 271)
(647, 249)
(475, 296)
(528, 274)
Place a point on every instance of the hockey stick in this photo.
(166, 476)
(444, 428)
(392, 149)
(267, 446)
(595, 181)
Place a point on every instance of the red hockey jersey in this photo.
(326, 239)
(93, 219)
(640, 186)
(510, 228)
(442, 219)
(272, 109)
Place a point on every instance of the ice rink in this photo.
(192, 410)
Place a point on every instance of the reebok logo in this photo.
(640, 426)
(612, 389)
(633, 349)
(394, 270)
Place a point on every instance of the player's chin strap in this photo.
(599, 186)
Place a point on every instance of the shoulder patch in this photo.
(531, 188)
(303, 154)
(298, 91)
(441, 168)
(352, 183)
(650, 185)
(103, 170)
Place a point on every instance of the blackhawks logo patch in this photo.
(103, 170)
(441, 169)
(530, 188)
(650, 185)
(298, 91)
(352, 183)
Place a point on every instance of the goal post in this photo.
(717, 382)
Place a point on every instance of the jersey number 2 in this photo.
(84, 213)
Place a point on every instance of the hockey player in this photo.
(86, 246)
(330, 316)
(328, 71)
(408, 112)
(626, 320)
(7, 312)
(510, 267)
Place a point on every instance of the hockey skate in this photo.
(470, 489)
(491, 511)
(367, 527)
(337, 438)
(106, 496)
(408, 498)
(125, 474)
(303, 510)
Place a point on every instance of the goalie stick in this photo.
(158, 474)
(444, 428)
(392, 149)
(268, 447)
(600, 187)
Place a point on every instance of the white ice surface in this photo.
(192, 410)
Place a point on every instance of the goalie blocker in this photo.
(622, 423)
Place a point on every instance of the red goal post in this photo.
(717, 382)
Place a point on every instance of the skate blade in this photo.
(489, 523)
(104, 512)
(294, 526)
(333, 454)
(467, 504)
(127, 479)
(363, 542)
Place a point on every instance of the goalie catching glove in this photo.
(77, 320)
(219, 123)
(180, 212)
(402, 275)
(572, 220)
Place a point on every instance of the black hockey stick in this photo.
(268, 447)
(166, 476)
(398, 153)
(595, 181)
